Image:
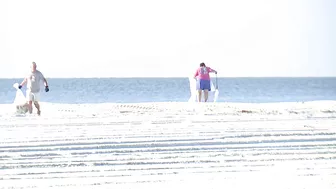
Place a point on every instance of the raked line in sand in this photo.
(170, 145)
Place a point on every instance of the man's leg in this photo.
(37, 106)
(29, 97)
(30, 106)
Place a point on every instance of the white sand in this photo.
(170, 145)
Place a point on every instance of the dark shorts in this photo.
(203, 85)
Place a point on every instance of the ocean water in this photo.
(133, 90)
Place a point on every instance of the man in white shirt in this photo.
(33, 88)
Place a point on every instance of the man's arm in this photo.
(23, 82)
(45, 82)
(42, 78)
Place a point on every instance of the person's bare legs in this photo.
(30, 101)
(199, 95)
(30, 106)
(37, 106)
(206, 93)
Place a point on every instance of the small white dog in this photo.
(22, 109)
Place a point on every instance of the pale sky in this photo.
(148, 38)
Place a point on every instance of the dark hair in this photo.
(202, 64)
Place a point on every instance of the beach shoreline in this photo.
(170, 144)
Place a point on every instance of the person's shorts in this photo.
(32, 96)
(203, 85)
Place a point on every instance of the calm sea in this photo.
(130, 90)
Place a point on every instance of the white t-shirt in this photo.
(34, 81)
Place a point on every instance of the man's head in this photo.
(33, 66)
(202, 64)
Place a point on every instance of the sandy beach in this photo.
(170, 145)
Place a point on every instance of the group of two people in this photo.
(35, 77)
(32, 80)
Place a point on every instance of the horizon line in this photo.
(153, 77)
